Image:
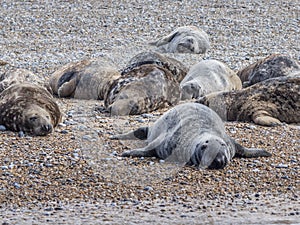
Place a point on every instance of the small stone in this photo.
(21, 134)
(2, 128)
(147, 115)
(148, 188)
(281, 165)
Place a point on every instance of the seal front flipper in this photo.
(140, 133)
(263, 118)
(140, 152)
(242, 152)
(67, 89)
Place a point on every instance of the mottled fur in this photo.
(87, 79)
(143, 89)
(186, 39)
(29, 108)
(275, 65)
(267, 103)
(178, 70)
(18, 76)
(206, 77)
(190, 134)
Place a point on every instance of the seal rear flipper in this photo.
(164, 40)
(140, 133)
(140, 152)
(263, 118)
(242, 152)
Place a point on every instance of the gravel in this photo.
(76, 174)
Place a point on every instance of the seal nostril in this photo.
(47, 127)
(219, 162)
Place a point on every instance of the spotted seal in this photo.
(275, 65)
(190, 134)
(208, 76)
(177, 68)
(29, 108)
(266, 103)
(86, 79)
(185, 39)
(143, 89)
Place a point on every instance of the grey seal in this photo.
(29, 108)
(190, 134)
(177, 68)
(208, 76)
(275, 65)
(268, 103)
(143, 89)
(18, 76)
(185, 39)
(86, 79)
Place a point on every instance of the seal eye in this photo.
(33, 118)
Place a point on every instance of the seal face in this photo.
(190, 134)
(29, 108)
(266, 103)
(275, 65)
(143, 89)
(177, 68)
(206, 77)
(87, 79)
(186, 39)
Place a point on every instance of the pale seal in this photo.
(86, 79)
(268, 103)
(185, 39)
(177, 68)
(143, 89)
(190, 134)
(275, 65)
(29, 108)
(18, 76)
(206, 77)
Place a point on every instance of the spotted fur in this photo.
(177, 68)
(143, 89)
(270, 102)
(29, 108)
(275, 65)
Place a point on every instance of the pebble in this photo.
(2, 128)
(281, 165)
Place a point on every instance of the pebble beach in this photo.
(76, 175)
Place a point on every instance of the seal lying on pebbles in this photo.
(177, 68)
(275, 65)
(29, 108)
(143, 89)
(191, 134)
(266, 103)
(186, 39)
(206, 77)
(18, 76)
(87, 79)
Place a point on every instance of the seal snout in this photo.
(47, 128)
(219, 162)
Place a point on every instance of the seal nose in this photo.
(219, 162)
(47, 127)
